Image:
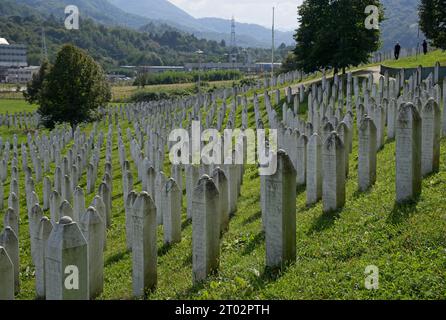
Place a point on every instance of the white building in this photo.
(11, 56)
(21, 75)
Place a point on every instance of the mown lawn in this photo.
(15, 105)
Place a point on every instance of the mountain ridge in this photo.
(210, 28)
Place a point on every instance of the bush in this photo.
(147, 96)
(172, 77)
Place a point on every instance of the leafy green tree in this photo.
(433, 21)
(289, 64)
(333, 34)
(34, 87)
(73, 89)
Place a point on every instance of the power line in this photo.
(272, 49)
(44, 48)
(233, 44)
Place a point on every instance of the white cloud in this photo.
(251, 11)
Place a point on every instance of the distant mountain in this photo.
(111, 45)
(210, 28)
(401, 23)
(157, 10)
(259, 33)
(101, 11)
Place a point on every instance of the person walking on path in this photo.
(425, 47)
(397, 51)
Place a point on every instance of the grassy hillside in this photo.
(407, 243)
(428, 60)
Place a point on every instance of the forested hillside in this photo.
(401, 23)
(110, 45)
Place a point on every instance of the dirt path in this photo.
(375, 71)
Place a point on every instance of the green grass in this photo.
(13, 105)
(407, 243)
(428, 60)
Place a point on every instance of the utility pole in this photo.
(199, 53)
(272, 49)
(234, 51)
(44, 48)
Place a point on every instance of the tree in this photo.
(433, 21)
(333, 34)
(73, 89)
(289, 64)
(34, 87)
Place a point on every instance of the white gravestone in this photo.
(367, 154)
(408, 153)
(66, 263)
(205, 229)
(333, 167)
(280, 216)
(144, 247)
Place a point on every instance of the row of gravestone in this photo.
(57, 248)
(417, 154)
(19, 120)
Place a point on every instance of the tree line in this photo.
(171, 77)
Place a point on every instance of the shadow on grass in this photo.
(300, 189)
(251, 245)
(186, 223)
(269, 275)
(197, 287)
(324, 221)
(359, 193)
(116, 258)
(117, 196)
(187, 261)
(162, 251)
(252, 218)
(307, 207)
(403, 211)
(194, 289)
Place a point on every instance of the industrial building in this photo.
(21, 75)
(244, 67)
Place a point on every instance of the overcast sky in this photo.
(253, 11)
